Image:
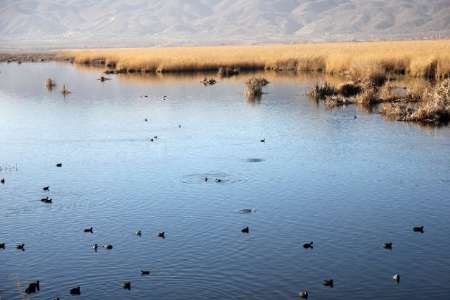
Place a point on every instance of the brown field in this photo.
(430, 59)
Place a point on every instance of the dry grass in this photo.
(254, 86)
(418, 58)
(434, 108)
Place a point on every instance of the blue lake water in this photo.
(347, 184)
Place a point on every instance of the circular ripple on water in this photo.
(212, 178)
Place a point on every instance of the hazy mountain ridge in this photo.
(74, 23)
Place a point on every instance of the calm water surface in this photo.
(347, 184)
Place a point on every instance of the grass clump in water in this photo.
(322, 91)
(254, 86)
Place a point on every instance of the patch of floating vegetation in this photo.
(210, 178)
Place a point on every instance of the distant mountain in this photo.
(125, 23)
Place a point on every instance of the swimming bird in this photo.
(20, 247)
(2, 181)
(108, 247)
(102, 78)
(155, 137)
(126, 285)
(139, 233)
(143, 273)
(65, 91)
(388, 246)
(95, 247)
(90, 229)
(304, 294)
(46, 188)
(33, 287)
(59, 165)
(245, 230)
(75, 291)
(2, 246)
(151, 140)
(206, 179)
(263, 140)
(179, 126)
(246, 211)
(146, 120)
(47, 200)
(162, 235)
(328, 282)
(418, 229)
(218, 180)
(308, 245)
(396, 278)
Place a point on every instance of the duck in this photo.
(20, 247)
(47, 200)
(102, 78)
(246, 211)
(396, 278)
(2, 245)
(143, 273)
(46, 188)
(155, 137)
(162, 235)
(151, 140)
(206, 179)
(108, 247)
(65, 91)
(146, 120)
(328, 282)
(418, 229)
(308, 245)
(90, 229)
(33, 287)
(126, 285)
(304, 294)
(388, 246)
(263, 140)
(2, 181)
(245, 230)
(59, 165)
(179, 126)
(75, 291)
(139, 233)
(95, 247)
(218, 180)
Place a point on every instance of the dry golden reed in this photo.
(429, 58)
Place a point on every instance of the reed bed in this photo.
(430, 59)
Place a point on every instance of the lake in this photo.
(347, 184)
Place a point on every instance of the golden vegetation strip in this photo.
(429, 59)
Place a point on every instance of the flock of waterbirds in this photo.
(34, 287)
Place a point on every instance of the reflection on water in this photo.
(348, 184)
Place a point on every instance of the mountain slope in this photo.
(93, 23)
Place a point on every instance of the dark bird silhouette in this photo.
(90, 229)
(108, 247)
(126, 285)
(418, 229)
(75, 291)
(388, 246)
(139, 233)
(32, 287)
(328, 282)
(102, 78)
(47, 200)
(95, 247)
(308, 245)
(245, 230)
(263, 140)
(20, 247)
(2, 181)
(46, 188)
(162, 235)
(218, 180)
(59, 165)
(2, 246)
(143, 273)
